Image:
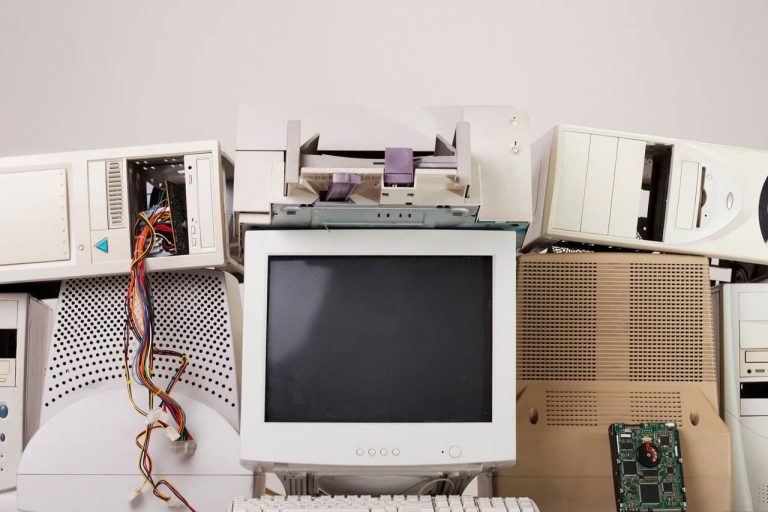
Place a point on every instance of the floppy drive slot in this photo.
(691, 196)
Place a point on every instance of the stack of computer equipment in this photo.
(638, 192)
(101, 221)
(631, 342)
(393, 347)
(375, 361)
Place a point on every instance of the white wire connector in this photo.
(135, 493)
(156, 414)
(174, 502)
(183, 447)
(171, 433)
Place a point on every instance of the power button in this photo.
(454, 452)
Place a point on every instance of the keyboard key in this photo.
(366, 503)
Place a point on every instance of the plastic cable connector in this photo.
(183, 447)
(156, 415)
(135, 493)
(171, 433)
(174, 502)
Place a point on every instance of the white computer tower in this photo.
(84, 456)
(654, 193)
(72, 214)
(25, 327)
(745, 389)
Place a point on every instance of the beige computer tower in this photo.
(613, 337)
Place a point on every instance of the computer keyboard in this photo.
(382, 504)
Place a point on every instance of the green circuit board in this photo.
(647, 467)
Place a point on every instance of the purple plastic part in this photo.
(342, 185)
(398, 166)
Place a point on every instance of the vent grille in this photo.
(585, 408)
(568, 344)
(598, 317)
(762, 492)
(670, 323)
(114, 194)
(192, 316)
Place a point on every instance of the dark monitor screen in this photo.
(379, 339)
(7, 343)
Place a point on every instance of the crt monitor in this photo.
(378, 349)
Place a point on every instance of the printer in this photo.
(343, 166)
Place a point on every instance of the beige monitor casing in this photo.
(613, 337)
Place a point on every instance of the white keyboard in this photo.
(382, 504)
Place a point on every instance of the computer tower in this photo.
(84, 456)
(605, 338)
(25, 328)
(70, 215)
(745, 385)
(654, 193)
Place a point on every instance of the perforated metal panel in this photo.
(592, 408)
(609, 316)
(762, 493)
(193, 315)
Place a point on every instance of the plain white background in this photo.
(94, 73)
(84, 74)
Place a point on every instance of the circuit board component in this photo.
(647, 467)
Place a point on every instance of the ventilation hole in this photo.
(667, 334)
(89, 331)
(694, 418)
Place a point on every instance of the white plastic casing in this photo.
(21, 378)
(83, 456)
(745, 347)
(67, 215)
(500, 147)
(329, 447)
(593, 195)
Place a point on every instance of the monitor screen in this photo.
(379, 339)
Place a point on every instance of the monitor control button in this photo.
(360, 452)
(454, 451)
(3, 411)
(383, 451)
(395, 452)
(2, 438)
(372, 452)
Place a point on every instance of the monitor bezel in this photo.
(311, 446)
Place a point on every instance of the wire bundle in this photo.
(151, 227)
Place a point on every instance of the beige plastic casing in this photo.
(593, 195)
(500, 156)
(57, 210)
(613, 337)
